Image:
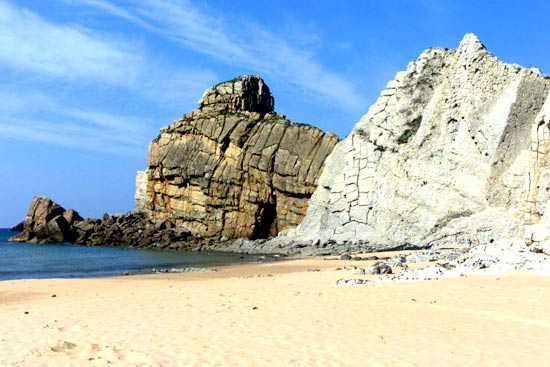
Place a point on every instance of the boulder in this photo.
(380, 268)
(72, 216)
(45, 222)
(233, 167)
(42, 210)
(57, 230)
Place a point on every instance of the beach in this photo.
(275, 314)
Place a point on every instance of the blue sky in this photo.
(86, 84)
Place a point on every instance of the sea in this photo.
(32, 261)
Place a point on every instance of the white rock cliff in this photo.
(453, 153)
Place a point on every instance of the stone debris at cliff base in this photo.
(504, 256)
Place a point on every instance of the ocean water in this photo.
(30, 261)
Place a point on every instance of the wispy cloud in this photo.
(49, 70)
(30, 43)
(245, 44)
(37, 117)
(69, 135)
(62, 64)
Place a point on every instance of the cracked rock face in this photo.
(233, 167)
(452, 154)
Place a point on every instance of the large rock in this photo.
(57, 230)
(233, 167)
(451, 154)
(246, 93)
(46, 222)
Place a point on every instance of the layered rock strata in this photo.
(233, 167)
(452, 154)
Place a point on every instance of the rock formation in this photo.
(48, 222)
(453, 153)
(233, 167)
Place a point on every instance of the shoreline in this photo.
(275, 314)
(78, 261)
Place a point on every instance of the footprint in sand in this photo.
(92, 351)
(63, 347)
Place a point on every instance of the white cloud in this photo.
(74, 137)
(45, 52)
(78, 55)
(30, 43)
(245, 44)
(37, 117)
(49, 71)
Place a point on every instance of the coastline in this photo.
(275, 313)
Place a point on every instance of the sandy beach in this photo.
(275, 314)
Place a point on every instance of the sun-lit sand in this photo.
(275, 314)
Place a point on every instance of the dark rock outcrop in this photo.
(45, 223)
(18, 227)
(246, 93)
(48, 222)
(233, 167)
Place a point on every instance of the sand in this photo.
(275, 314)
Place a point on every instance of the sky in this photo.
(86, 84)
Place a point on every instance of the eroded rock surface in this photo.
(452, 154)
(233, 167)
